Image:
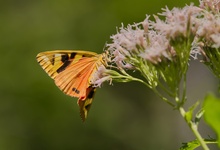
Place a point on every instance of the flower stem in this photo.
(163, 98)
(184, 90)
(194, 129)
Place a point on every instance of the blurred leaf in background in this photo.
(35, 114)
(212, 113)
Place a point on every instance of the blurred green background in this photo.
(36, 115)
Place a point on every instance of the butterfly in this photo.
(72, 72)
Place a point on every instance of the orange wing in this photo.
(55, 62)
(72, 71)
(75, 79)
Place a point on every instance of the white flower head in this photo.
(100, 76)
(157, 49)
(178, 21)
(213, 5)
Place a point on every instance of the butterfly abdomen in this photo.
(91, 93)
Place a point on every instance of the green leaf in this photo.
(212, 113)
(190, 145)
(189, 114)
(194, 144)
(199, 115)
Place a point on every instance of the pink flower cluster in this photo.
(209, 29)
(126, 42)
(151, 40)
(178, 21)
(212, 5)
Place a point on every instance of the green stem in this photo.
(166, 90)
(163, 98)
(184, 90)
(133, 78)
(194, 129)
